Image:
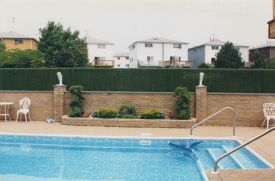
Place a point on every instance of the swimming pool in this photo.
(58, 158)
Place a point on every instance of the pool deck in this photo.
(264, 146)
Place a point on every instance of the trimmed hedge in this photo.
(140, 80)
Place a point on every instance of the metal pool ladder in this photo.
(241, 146)
(234, 117)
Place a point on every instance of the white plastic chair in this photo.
(24, 108)
(269, 113)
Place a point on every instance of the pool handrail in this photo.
(234, 118)
(241, 146)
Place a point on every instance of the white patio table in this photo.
(6, 106)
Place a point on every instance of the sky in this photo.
(125, 21)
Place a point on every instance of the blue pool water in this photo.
(42, 158)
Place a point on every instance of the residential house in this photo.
(206, 53)
(267, 50)
(122, 60)
(271, 24)
(158, 52)
(13, 40)
(101, 53)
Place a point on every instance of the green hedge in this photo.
(152, 80)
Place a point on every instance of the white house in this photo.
(122, 60)
(206, 53)
(158, 52)
(101, 53)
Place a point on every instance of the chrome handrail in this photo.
(234, 117)
(241, 146)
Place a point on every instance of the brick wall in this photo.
(95, 101)
(41, 105)
(248, 106)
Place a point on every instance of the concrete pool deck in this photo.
(265, 146)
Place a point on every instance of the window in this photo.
(101, 46)
(99, 58)
(18, 41)
(127, 65)
(118, 58)
(118, 65)
(177, 45)
(215, 47)
(148, 45)
(150, 58)
(127, 58)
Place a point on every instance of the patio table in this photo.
(6, 106)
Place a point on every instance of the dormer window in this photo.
(215, 47)
(177, 45)
(148, 45)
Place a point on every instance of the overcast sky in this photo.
(125, 21)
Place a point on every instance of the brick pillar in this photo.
(58, 101)
(201, 102)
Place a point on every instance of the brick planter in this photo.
(140, 123)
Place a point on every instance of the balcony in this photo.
(179, 64)
(271, 29)
(104, 63)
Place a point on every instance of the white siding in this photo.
(121, 62)
(94, 51)
(160, 52)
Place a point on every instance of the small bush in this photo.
(107, 113)
(182, 106)
(127, 111)
(150, 114)
(77, 100)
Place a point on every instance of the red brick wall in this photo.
(113, 100)
(248, 106)
(41, 105)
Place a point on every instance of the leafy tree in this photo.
(270, 64)
(259, 60)
(2, 47)
(204, 66)
(62, 48)
(20, 59)
(229, 57)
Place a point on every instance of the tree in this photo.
(204, 66)
(229, 57)
(62, 48)
(2, 47)
(20, 59)
(259, 60)
(270, 64)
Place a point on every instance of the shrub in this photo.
(150, 114)
(182, 105)
(77, 100)
(107, 113)
(127, 111)
(204, 66)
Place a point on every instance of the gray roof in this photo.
(217, 42)
(267, 45)
(12, 34)
(158, 40)
(90, 40)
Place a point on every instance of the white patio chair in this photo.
(24, 108)
(269, 113)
